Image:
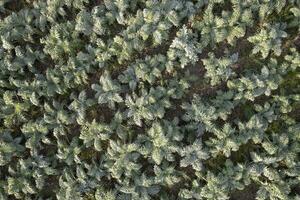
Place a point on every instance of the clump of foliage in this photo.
(144, 99)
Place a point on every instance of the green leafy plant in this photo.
(142, 100)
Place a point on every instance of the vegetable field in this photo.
(150, 99)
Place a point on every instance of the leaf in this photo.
(34, 99)
(157, 156)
